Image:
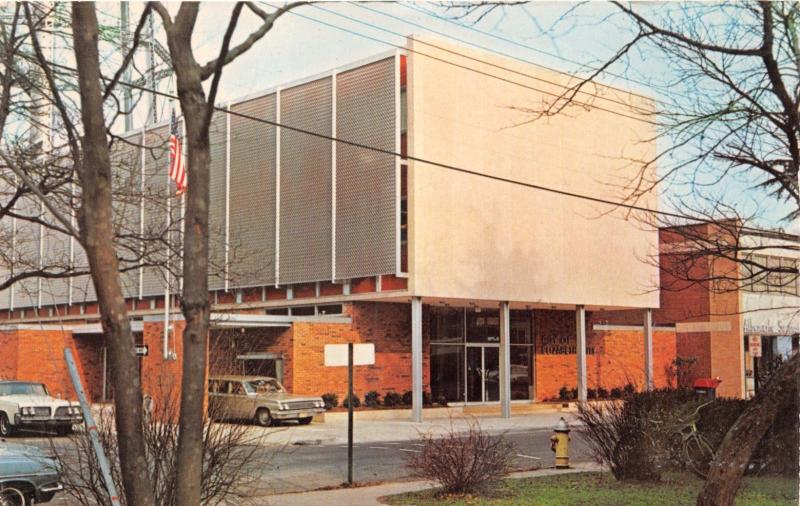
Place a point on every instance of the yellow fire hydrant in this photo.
(559, 443)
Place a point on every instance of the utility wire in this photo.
(465, 67)
(482, 61)
(433, 163)
(428, 13)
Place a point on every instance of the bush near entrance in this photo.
(653, 432)
(330, 399)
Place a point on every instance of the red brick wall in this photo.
(226, 344)
(718, 353)
(9, 348)
(161, 379)
(41, 359)
(89, 352)
(387, 325)
(618, 356)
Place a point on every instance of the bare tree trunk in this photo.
(194, 300)
(730, 461)
(97, 236)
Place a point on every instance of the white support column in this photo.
(580, 350)
(416, 359)
(505, 360)
(648, 349)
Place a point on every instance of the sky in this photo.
(313, 39)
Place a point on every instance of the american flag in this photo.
(177, 171)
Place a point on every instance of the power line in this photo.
(485, 48)
(432, 162)
(519, 44)
(465, 67)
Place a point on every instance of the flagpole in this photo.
(165, 350)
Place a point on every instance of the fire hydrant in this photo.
(559, 443)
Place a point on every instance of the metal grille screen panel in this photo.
(156, 192)
(56, 252)
(126, 163)
(216, 223)
(305, 184)
(252, 206)
(56, 257)
(26, 252)
(366, 201)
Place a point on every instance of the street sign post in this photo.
(754, 345)
(337, 355)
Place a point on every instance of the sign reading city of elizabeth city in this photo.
(754, 345)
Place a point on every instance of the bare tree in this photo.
(98, 190)
(730, 114)
(198, 107)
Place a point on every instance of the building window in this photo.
(330, 309)
(446, 325)
(465, 354)
(758, 277)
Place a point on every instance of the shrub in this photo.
(573, 394)
(392, 399)
(563, 394)
(441, 400)
(462, 462)
(602, 393)
(634, 438)
(227, 449)
(629, 389)
(616, 393)
(591, 393)
(372, 399)
(407, 398)
(330, 399)
(356, 401)
(427, 400)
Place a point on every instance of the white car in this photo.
(27, 405)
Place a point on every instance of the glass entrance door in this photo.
(483, 373)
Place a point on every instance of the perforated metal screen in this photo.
(82, 287)
(216, 218)
(252, 180)
(26, 256)
(156, 188)
(366, 201)
(126, 166)
(305, 184)
(56, 258)
(300, 183)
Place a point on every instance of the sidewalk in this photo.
(368, 496)
(334, 432)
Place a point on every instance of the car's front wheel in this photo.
(263, 417)
(5, 425)
(15, 496)
(305, 421)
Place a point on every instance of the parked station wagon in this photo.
(259, 398)
(25, 404)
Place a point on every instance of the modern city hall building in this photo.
(443, 245)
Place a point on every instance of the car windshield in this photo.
(264, 386)
(22, 389)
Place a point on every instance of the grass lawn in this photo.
(600, 489)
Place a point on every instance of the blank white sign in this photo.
(336, 354)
